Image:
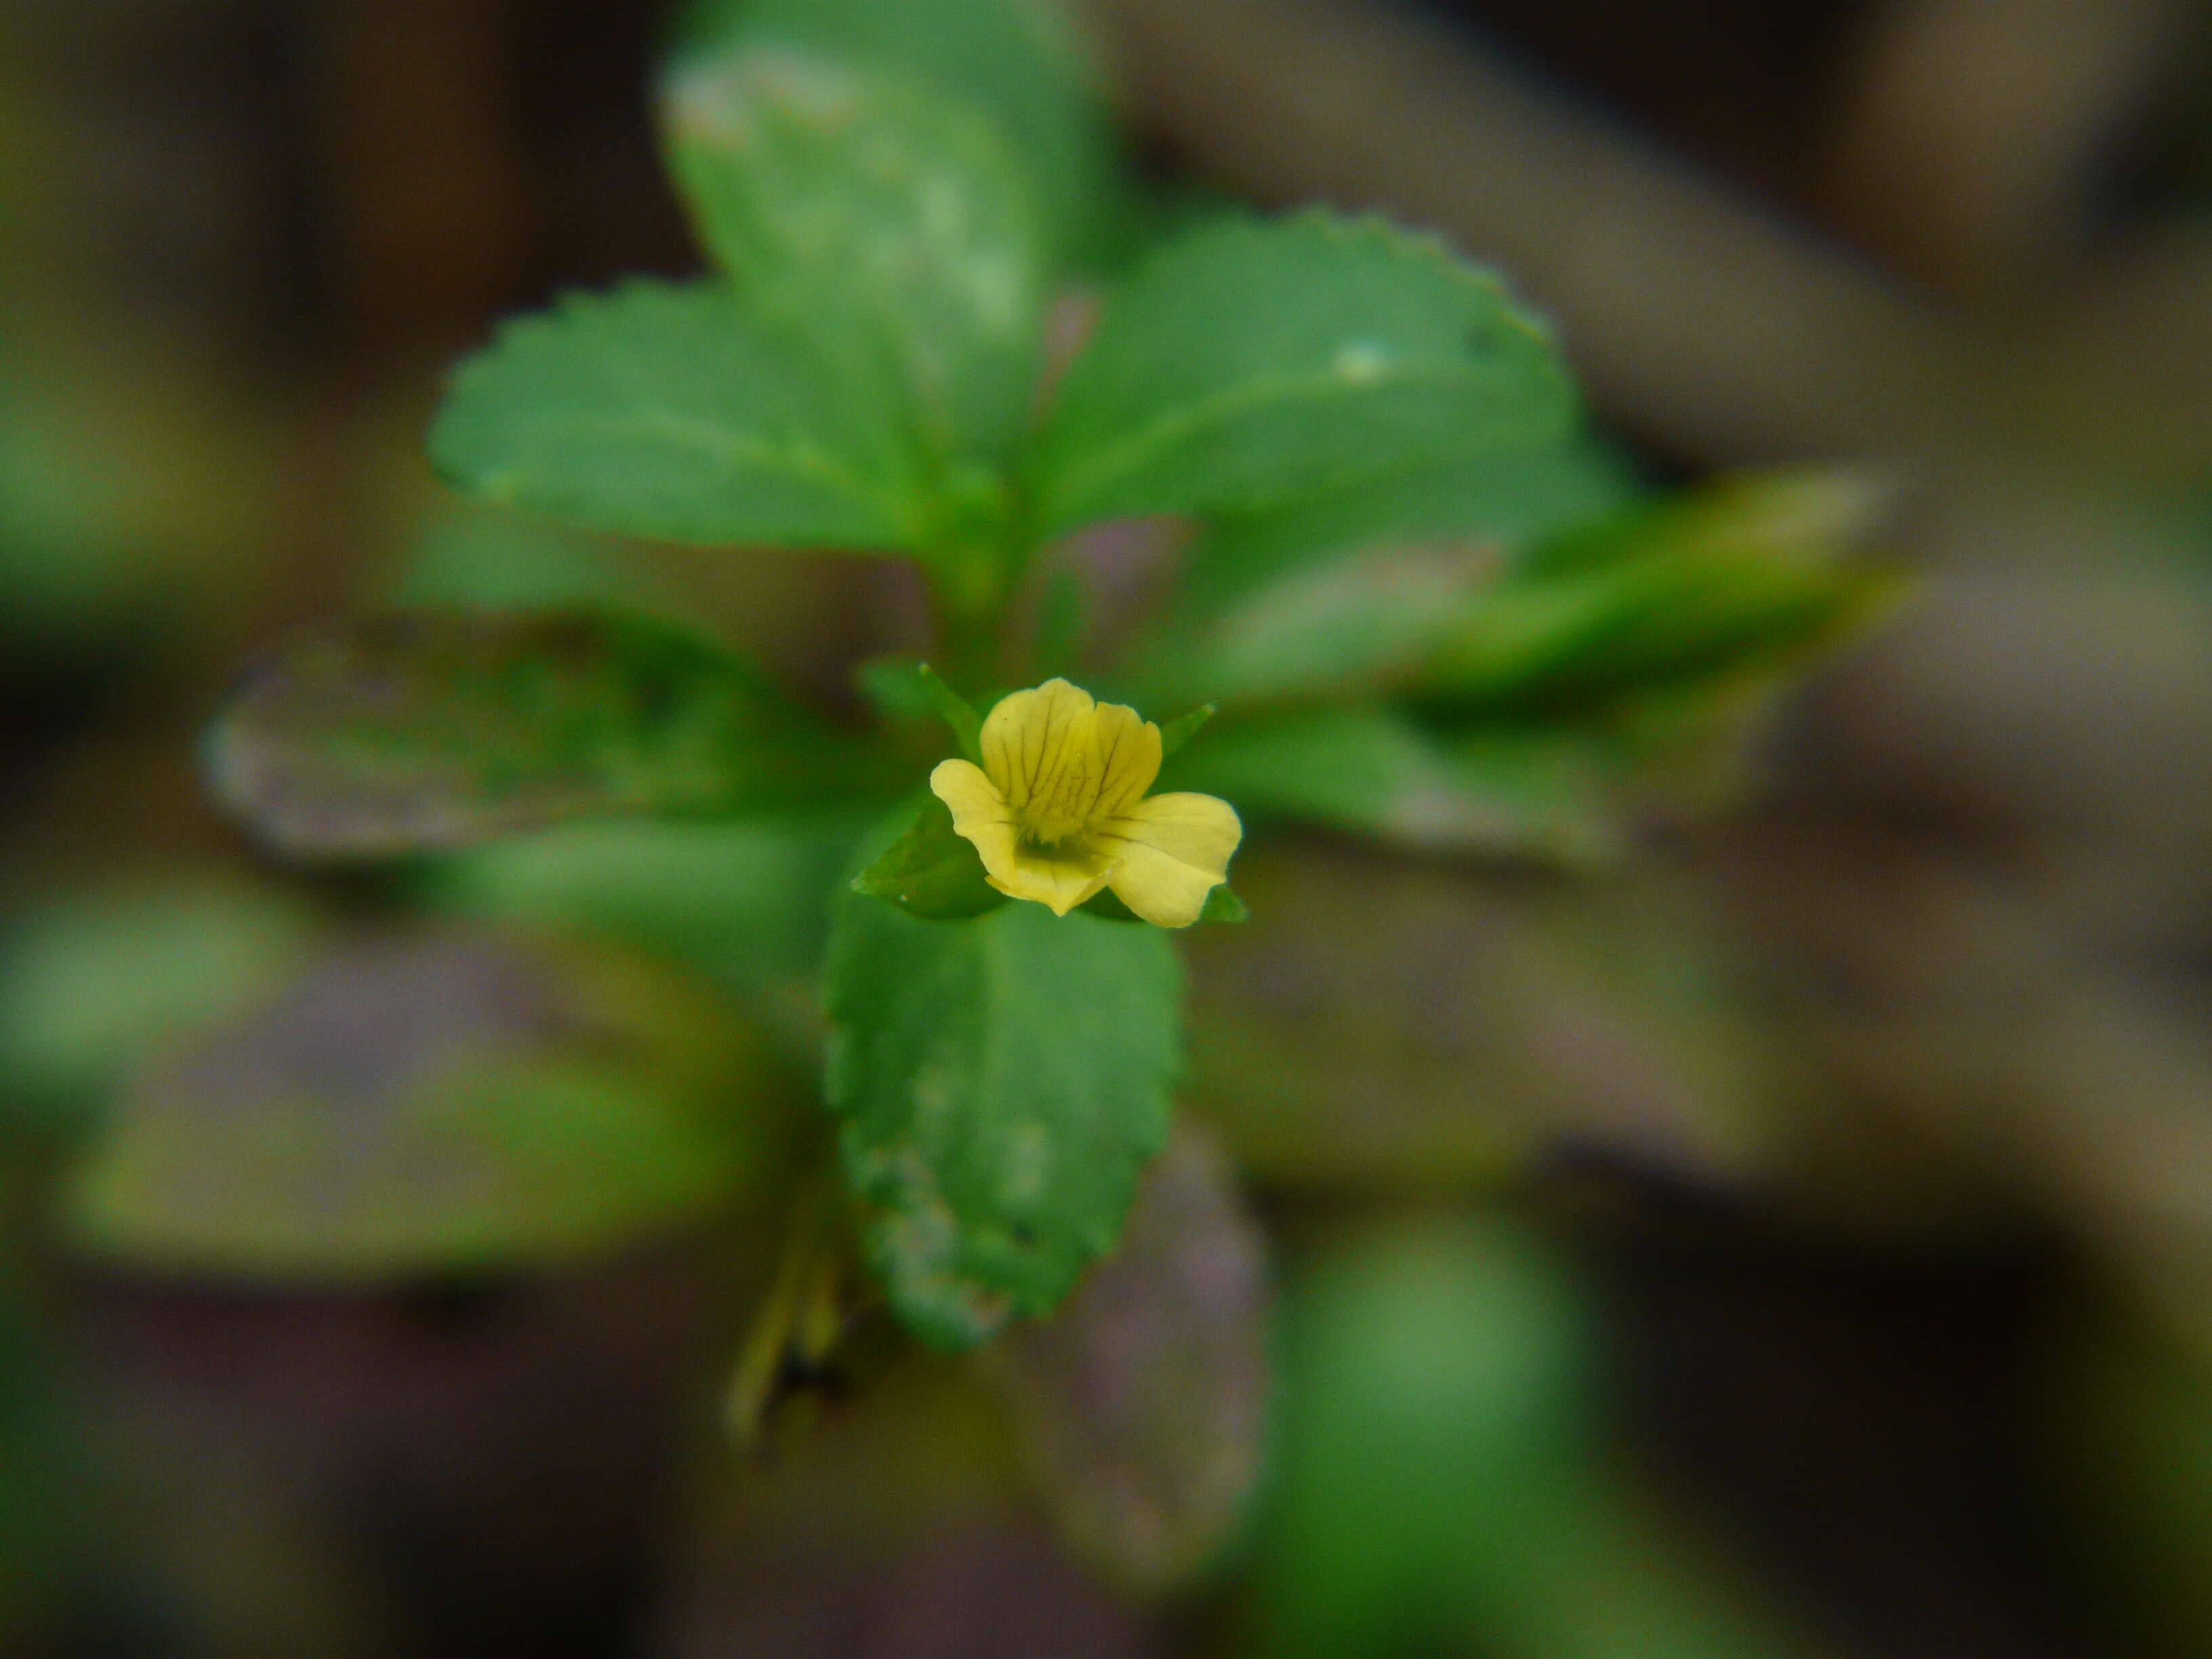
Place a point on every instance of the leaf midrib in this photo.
(1130, 454)
(736, 449)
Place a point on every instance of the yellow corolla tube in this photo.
(1058, 809)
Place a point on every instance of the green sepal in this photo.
(930, 871)
(1223, 903)
(956, 711)
(1183, 728)
(893, 686)
(905, 688)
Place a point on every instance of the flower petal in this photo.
(1169, 852)
(1026, 735)
(1128, 759)
(1060, 881)
(979, 813)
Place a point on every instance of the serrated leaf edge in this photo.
(806, 461)
(1079, 485)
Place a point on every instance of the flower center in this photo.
(1062, 806)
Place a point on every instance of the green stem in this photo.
(982, 545)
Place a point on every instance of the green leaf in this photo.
(1143, 1400)
(877, 215)
(1355, 625)
(1742, 576)
(929, 870)
(672, 411)
(1002, 1082)
(1250, 365)
(436, 1104)
(1580, 640)
(1549, 793)
(1544, 680)
(1810, 515)
(1349, 593)
(745, 900)
(475, 558)
(1503, 500)
(89, 983)
(1022, 63)
(423, 730)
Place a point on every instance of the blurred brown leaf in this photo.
(1386, 1023)
(441, 1102)
(1143, 1400)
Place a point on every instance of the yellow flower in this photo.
(1058, 809)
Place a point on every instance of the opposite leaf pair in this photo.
(863, 371)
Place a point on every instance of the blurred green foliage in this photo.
(90, 984)
(892, 225)
(745, 900)
(1025, 66)
(1419, 605)
(1440, 1480)
(65, 561)
(41, 1499)
(1431, 609)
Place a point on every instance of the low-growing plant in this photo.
(1410, 597)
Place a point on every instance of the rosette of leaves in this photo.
(1429, 608)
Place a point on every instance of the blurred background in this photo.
(1799, 1243)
